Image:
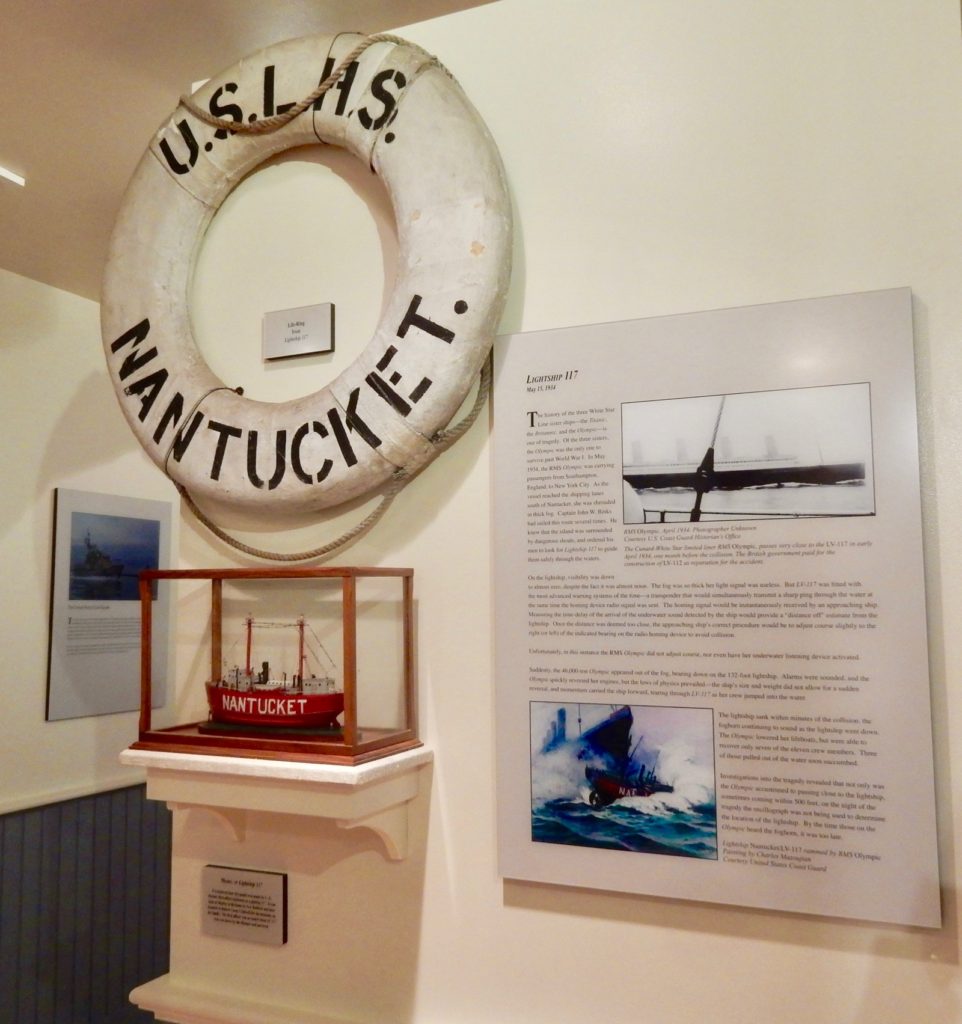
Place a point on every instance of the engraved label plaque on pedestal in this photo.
(245, 905)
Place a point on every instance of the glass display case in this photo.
(304, 664)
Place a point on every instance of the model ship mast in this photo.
(303, 647)
(245, 698)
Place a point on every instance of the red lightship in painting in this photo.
(248, 698)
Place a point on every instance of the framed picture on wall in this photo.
(101, 542)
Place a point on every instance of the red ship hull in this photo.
(274, 707)
(606, 787)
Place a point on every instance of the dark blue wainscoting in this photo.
(84, 908)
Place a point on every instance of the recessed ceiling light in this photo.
(10, 176)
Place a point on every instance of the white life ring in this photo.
(401, 113)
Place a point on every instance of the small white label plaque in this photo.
(249, 906)
(301, 331)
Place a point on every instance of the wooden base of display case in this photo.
(312, 747)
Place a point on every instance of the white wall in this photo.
(663, 157)
(62, 428)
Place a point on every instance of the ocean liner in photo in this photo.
(797, 453)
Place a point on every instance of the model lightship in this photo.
(302, 701)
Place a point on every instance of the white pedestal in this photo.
(372, 795)
(211, 979)
(182, 1004)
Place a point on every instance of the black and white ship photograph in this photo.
(782, 454)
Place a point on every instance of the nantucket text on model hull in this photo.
(235, 707)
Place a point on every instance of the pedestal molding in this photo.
(374, 795)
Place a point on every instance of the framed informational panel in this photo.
(101, 543)
(712, 676)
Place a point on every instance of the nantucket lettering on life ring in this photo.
(401, 113)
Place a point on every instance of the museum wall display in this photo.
(659, 163)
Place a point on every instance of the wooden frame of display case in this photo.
(349, 746)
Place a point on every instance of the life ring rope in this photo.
(442, 440)
(174, 439)
(270, 124)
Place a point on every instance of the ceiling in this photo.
(88, 81)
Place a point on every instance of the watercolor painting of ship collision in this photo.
(640, 779)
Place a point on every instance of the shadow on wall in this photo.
(60, 415)
(939, 1002)
(926, 945)
(89, 434)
